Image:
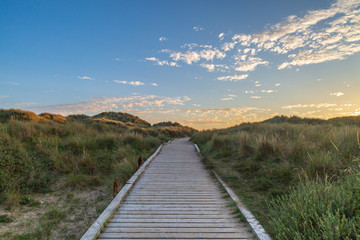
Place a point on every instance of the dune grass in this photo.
(46, 158)
(300, 180)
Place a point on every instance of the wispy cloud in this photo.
(4, 96)
(315, 37)
(130, 104)
(249, 64)
(233, 78)
(154, 84)
(268, 91)
(337, 94)
(256, 97)
(85, 78)
(198, 28)
(162, 62)
(133, 83)
(162, 39)
(221, 36)
(227, 99)
(319, 105)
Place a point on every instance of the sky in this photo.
(206, 64)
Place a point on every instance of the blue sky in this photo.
(207, 64)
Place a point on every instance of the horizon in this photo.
(206, 129)
(204, 64)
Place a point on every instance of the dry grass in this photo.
(265, 161)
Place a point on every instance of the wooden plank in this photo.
(177, 225)
(165, 235)
(172, 230)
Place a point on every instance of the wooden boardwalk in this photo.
(175, 198)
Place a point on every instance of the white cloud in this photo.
(161, 39)
(249, 92)
(337, 94)
(126, 103)
(233, 78)
(320, 105)
(211, 54)
(209, 67)
(228, 46)
(190, 57)
(315, 37)
(250, 64)
(162, 62)
(154, 84)
(267, 91)
(198, 28)
(256, 97)
(277, 84)
(227, 99)
(85, 78)
(221, 36)
(133, 83)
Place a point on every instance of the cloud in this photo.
(317, 36)
(4, 96)
(85, 78)
(256, 97)
(125, 103)
(209, 67)
(162, 62)
(161, 39)
(227, 99)
(320, 105)
(198, 28)
(250, 64)
(221, 36)
(233, 78)
(154, 84)
(133, 83)
(190, 57)
(277, 84)
(337, 94)
(267, 91)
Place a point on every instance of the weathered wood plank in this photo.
(160, 235)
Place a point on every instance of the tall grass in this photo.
(281, 165)
(33, 155)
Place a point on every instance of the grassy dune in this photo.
(49, 164)
(302, 181)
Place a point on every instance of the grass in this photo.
(82, 153)
(291, 175)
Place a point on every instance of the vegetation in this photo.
(301, 179)
(39, 153)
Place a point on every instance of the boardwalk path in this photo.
(175, 199)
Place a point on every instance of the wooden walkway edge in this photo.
(100, 222)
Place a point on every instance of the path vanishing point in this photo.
(175, 198)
